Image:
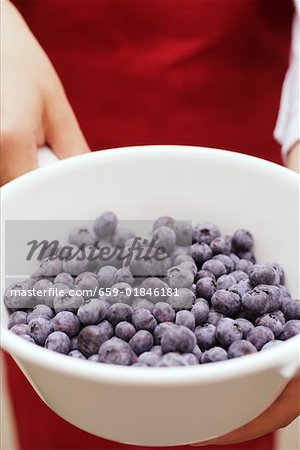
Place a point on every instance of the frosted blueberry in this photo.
(163, 312)
(90, 339)
(124, 275)
(125, 330)
(182, 299)
(225, 281)
(240, 348)
(143, 319)
(215, 266)
(178, 339)
(92, 311)
(244, 325)
(226, 302)
(172, 359)
(76, 354)
(118, 312)
(39, 330)
(121, 236)
(141, 342)
(40, 311)
(87, 283)
(58, 342)
(291, 309)
(190, 359)
(64, 278)
(206, 336)
(67, 322)
(271, 321)
(81, 235)
(165, 238)
(227, 261)
(259, 336)
(242, 240)
(204, 274)
(205, 232)
(179, 277)
(214, 317)
(244, 265)
(185, 318)
(159, 330)
(164, 221)
(17, 318)
(221, 244)
(201, 253)
(106, 276)
(150, 359)
(49, 267)
(200, 310)
(263, 274)
(183, 231)
(290, 329)
(228, 331)
(105, 225)
(214, 354)
(67, 302)
(139, 302)
(20, 328)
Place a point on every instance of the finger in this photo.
(18, 153)
(280, 414)
(62, 130)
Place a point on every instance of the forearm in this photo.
(293, 157)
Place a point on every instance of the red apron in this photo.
(195, 72)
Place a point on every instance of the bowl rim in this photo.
(283, 357)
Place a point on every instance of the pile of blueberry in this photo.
(205, 300)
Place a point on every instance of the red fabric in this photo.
(197, 72)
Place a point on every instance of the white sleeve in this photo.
(287, 130)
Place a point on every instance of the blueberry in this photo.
(105, 225)
(183, 231)
(271, 344)
(180, 250)
(240, 348)
(90, 339)
(242, 240)
(58, 342)
(160, 330)
(186, 318)
(201, 253)
(81, 235)
(205, 288)
(291, 309)
(226, 302)
(64, 278)
(76, 354)
(155, 289)
(235, 259)
(106, 276)
(200, 310)
(67, 322)
(179, 277)
(74, 343)
(40, 311)
(39, 329)
(121, 236)
(284, 291)
(164, 221)
(156, 349)
(279, 316)
(53, 291)
(67, 302)
(172, 359)
(240, 288)
(149, 262)
(225, 281)
(107, 328)
(190, 359)
(182, 299)
(214, 354)
(197, 352)
(178, 339)
(49, 267)
(92, 311)
(20, 328)
(42, 288)
(244, 265)
(124, 275)
(205, 232)
(274, 294)
(143, 319)
(27, 338)
(165, 238)
(149, 358)
(249, 256)
(189, 265)
(280, 272)
(259, 336)
(228, 331)
(221, 244)
(263, 274)
(17, 318)
(182, 257)
(206, 336)
(16, 296)
(163, 312)
(125, 330)
(119, 312)
(255, 302)
(290, 329)
(215, 266)
(214, 317)
(239, 275)
(227, 261)
(244, 325)
(116, 351)
(204, 274)
(75, 262)
(120, 293)
(271, 321)
(94, 358)
(139, 303)
(141, 342)
(87, 283)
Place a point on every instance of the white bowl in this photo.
(163, 406)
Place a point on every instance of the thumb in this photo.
(62, 130)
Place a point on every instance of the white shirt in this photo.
(287, 130)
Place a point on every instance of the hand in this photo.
(280, 414)
(35, 109)
(293, 158)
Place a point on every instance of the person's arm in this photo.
(34, 107)
(287, 131)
